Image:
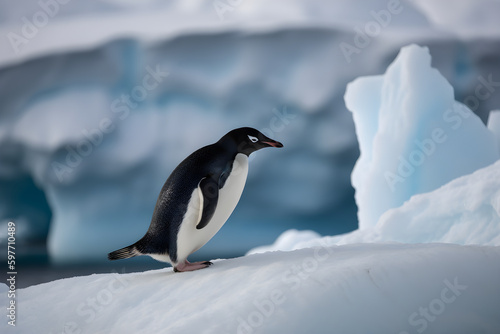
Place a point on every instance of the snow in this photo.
(288, 240)
(465, 211)
(360, 288)
(413, 136)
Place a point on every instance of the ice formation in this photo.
(413, 136)
(465, 211)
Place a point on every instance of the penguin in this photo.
(197, 199)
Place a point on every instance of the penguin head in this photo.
(249, 140)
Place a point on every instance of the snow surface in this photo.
(361, 288)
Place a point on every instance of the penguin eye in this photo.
(253, 139)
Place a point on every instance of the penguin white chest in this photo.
(190, 239)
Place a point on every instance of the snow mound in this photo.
(289, 240)
(413, 136)
(350, 289)
(465, 211)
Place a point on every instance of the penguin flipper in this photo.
(210, 196)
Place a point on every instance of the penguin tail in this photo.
(124, 253)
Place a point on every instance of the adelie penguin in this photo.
(197, 199)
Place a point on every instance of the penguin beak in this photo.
(273, 143)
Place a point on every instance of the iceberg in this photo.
(413, 136)
(424, 207)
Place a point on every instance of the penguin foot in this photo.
(187, 266)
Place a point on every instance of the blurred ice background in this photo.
(100, 100)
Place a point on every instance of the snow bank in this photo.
(348, 289)
(288, 240)
(465, 211)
